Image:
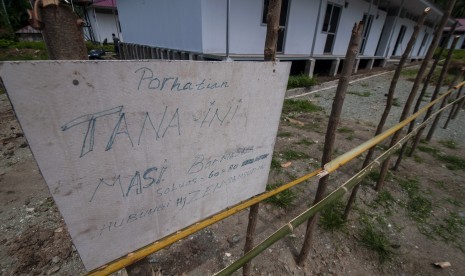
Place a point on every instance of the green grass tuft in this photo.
(294, 155)
(306, 142)
(331, 218)
(284, 199)
(345, 130)
(300, 81)
(376, 240)
(453, 162)
(360, 94)
(284, 134)
(300, 106)
(450, 144)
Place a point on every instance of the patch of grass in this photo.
(360, 94)
(300, 106)
(345, 130)
(373, 176)
(409, 73)
(284, 134)
(283, 199)
(384, 199)
(441, 185)
(36, 45)
(427, 149)
(300, 81)
(453, 162)
(419, 208)
(411, 186)
(450, 144)
(364, 85)
(306, 142)
(418, 159)
(395, 102)
(374, 239)
(331, 218)
(455, 202)
(350, 138)
(294, 155)
(275, 165)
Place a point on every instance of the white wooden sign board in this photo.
(134, 151)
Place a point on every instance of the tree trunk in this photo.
(390, 99)
(272, 20)
(62, 33)
(416, 86)
(330, 138)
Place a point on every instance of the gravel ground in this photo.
(365, 101)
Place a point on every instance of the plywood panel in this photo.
(134, 151)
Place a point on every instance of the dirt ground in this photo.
(417, 220)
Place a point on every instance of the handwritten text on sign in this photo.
(134, 151)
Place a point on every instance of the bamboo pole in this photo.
(415, 87)
(269, 54)
(390, 100)
(322, 204)
(423, 91)
(453, 109)
(330, 138)
(443, 74)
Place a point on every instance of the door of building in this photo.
(330, 25)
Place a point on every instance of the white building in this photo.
(102, 21)
(313, 32)
(460, 31)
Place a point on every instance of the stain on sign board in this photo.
(134, 151)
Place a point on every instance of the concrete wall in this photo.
(103, 25)
(175, 24)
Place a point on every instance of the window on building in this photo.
(331, 20)
(283, 14)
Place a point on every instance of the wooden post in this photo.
(443, 74)
(272, 20)
(416, 86)
(330, 137)
(444, 101)
(423, 92)
(390, 100)
(454, 108)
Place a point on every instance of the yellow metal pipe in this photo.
(154, 247)
(329, 167)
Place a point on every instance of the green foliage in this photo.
(409, 73)
(384, 199)
(284, 134)
(36, 45)
(5, 43)
(450, 144)
(300, 106)
(419, 208)
(294, 155)
(395, 102)
(300, 81)
(345, 130)
(373, 238)
(453, 162)
(331, 217)
(306, 142)
(360, 94)
(96, 46)
(275, 165)
(427, 149)
(284, 199)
